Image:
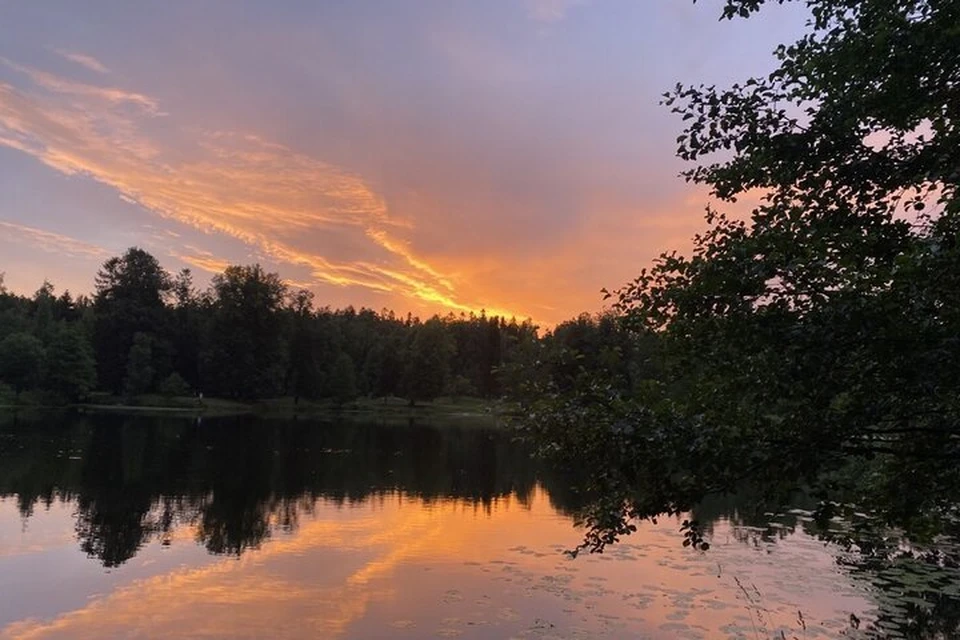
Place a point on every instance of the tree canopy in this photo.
(248, 336)
(130, 295)
(21, 360)
(813, 344)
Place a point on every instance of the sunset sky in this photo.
(419, 155)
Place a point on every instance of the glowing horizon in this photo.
(508, 156)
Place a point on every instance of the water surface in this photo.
(114, 527)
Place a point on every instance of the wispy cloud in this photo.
(551, 10)
(401, 249)
(203, 260)
(61, 85)
(49, 241)
(294, 208)
(84, 60)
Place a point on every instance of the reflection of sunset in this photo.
(396, 565)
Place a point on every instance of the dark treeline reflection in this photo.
(237, 480)
(917, 588)
(136, 479)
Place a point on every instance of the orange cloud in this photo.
(60, 85)
(381, 238)
(279, 201)
(206, 261)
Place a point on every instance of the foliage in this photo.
(184, 327)
(130, 292)
(248, 337)
(343, 385)
(304, 374)
(21, 361)
(459, 386)
(427, 361)
(71, 369)
(140, 372)
(173, 386)
(43, 305)
(245, 351)
(821, 333)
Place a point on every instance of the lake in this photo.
(117, 526)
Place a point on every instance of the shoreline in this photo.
(466, 409)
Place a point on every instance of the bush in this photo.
(459, 387)
(174, 385)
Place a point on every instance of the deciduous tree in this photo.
(21, 361)
(130, 292)
(427, 361)
(71, 369)
(822, 329)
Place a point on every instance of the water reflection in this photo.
(236, 480)
(307, 529)
(916, 588)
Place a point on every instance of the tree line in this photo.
(248, 336)
(813, 345)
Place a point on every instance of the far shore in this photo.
(466, 409)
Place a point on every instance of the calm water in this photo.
(116, 527)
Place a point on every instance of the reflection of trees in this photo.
(917, 587)
(116, 496)
(238, 479)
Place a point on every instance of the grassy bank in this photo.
(459, 409)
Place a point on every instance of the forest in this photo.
(147, 333)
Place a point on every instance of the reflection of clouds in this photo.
(402, 563)
(245, 597)
(47, 528)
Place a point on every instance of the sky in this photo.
(425, 156)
